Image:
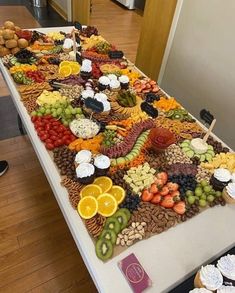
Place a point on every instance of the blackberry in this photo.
(186, 182)
(131, 201)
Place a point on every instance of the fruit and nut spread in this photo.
(125, 186)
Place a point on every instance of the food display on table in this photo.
(134, 162)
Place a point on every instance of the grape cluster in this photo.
(109, 136)
(53, 60)
(131, 201)
(62, 111)
(151, 97)
(89, 31)
(186, 182)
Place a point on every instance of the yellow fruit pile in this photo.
(23, 68)
(221, 160)
(102, 197)
(67, 68)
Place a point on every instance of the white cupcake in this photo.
(86, 69)
(103, 83)
(229, 193)
(124, 81)
(226, 265)
(85, 173)
(115, 85)
(208, 277)
(112, 76)
(101, 97)
(102, 164)
(83, 156)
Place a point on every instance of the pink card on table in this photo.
(135, 273)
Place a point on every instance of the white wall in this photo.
(200, 70)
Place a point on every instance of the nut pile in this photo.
(156, 161)
(64, 159)
(217, 145)
(95, 225)
(174, 155)
(71, 92)
(202, 174)
(131, 234)
(157, 218)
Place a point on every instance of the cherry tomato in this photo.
(49, 146)
(52, 132)
(49, 141)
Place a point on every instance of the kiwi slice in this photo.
(104, 249)
(170, 113)
(177, 116)
(108, 235)
(127, 212)
(122, 218)
(112, 223)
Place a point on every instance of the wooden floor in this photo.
(37, 251)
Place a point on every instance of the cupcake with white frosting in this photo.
(226, 289)
(200, 290)
(124, 82)
(101, 97)
(220, 179)
(102, 164)
(228, 193)
(208, 277)
(115, 85)
(103, 83)
(86, 69)
(226, 265)
(83, 156)
(88, 93)
(112, 76)
(85, 173)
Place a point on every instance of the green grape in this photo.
(67, 111)
(56, 105)
(63, 120)
(42, 110)
(39, 114)
(78, 110)
(66, 123)
(54, 114)
(59, 111)
(70, 107)
(34, 113)
(78, 116)
(73, 111)
(48, 111)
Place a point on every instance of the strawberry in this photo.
(175, 193)
(168, 202)
(179, 207)
(163, 176)
(147, 195)
(172, 186)
(159, 182)
(164, 191)
(154, 188)
(156, 199)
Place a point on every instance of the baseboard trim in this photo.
(58, 9)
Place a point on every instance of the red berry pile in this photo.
(36, 75)
(52, 132)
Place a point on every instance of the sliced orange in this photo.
(87, 207)
(104, 182)
(75, 66)
(65, 70)
(118, 193)
(64, 63)
(91, 190)
(107, 205)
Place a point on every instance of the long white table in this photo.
(168, 258)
